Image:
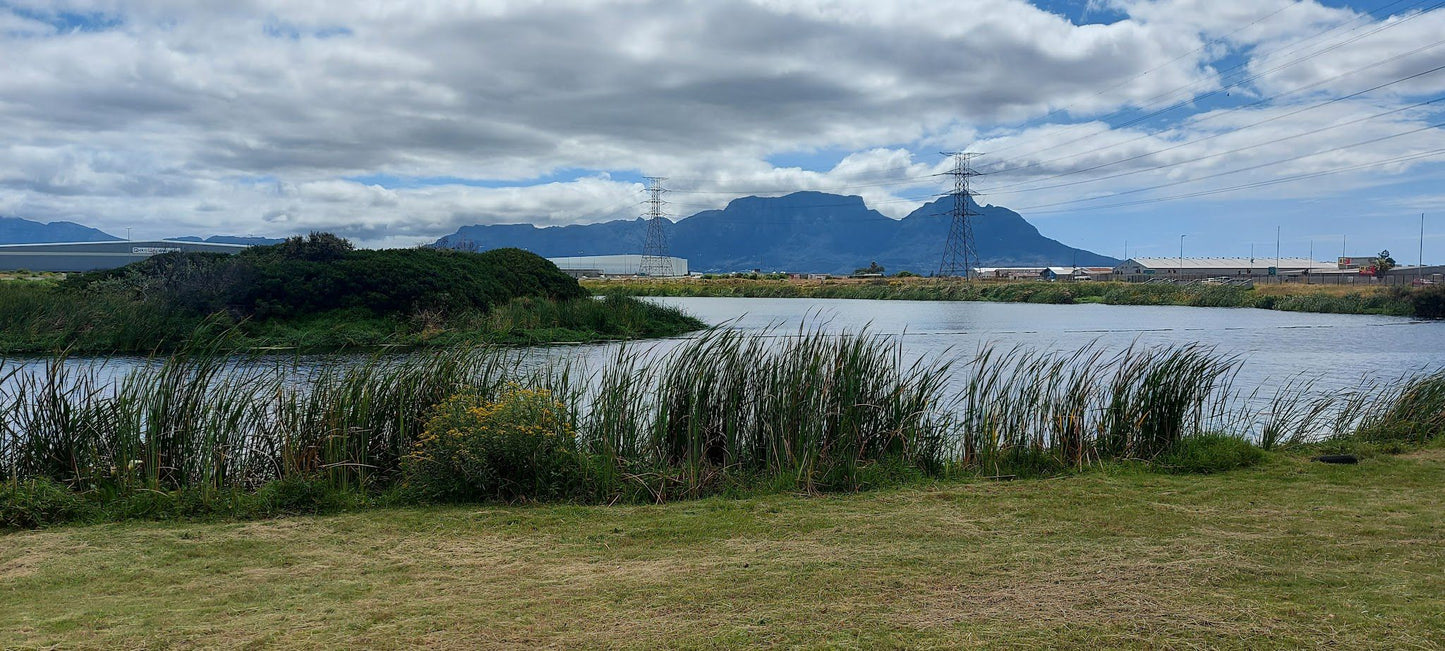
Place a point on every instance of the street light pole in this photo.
(1181, 256)
(1310, 269)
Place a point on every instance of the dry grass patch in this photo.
(1292, 554)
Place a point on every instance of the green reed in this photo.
(727, 409)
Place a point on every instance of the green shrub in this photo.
(1209, 453)
(520, 445)
(297, 495)
(36, 503)
(1429, 302)
(303, 277)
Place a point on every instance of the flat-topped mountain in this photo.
(14, 230)
(803, 231)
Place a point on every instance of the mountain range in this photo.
(803, 231)
(14, 230)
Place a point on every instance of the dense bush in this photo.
(1429, 302)
(322, 273)
(36, 503)
(520, 445)
(317, 293)
(1209, 453)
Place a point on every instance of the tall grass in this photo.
(1030, 410)
(812, 411)
(803, 411)
(203, 420)
(1397, 301)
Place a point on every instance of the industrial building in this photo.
(612, 265)
(1140, 269)
(90, 256)
(1043, 273)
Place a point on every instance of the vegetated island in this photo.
(1423, 302)
(318, 293)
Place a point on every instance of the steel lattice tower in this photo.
(655, 259)
(960, 256)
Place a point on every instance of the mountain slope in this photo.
(14, 230)
(249, 240)
(804, 231)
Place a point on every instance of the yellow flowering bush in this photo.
(517, 445)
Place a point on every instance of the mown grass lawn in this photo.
(1293, 554)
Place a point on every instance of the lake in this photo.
(1335, 350)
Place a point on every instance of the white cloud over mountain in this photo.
(397, 122)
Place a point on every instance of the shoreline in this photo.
(1326, 299)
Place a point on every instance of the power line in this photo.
(1177, 59)
(1218, 114)
(839, 204)
(1246, 169)
(959, 252)
(1003, 190)
(655, 258)
(1192, 99)
(912, 180)
(886, 172)
(1249, 186)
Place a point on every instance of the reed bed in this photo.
(807, 411)
(1428, 302)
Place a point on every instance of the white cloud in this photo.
(249, 117)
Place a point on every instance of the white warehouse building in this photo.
(1198, 268)
(612, 265)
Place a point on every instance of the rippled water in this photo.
(1338, 349)
(1335, 350)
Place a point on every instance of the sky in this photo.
(1106, 123)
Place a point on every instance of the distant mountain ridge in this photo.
(249, 240)
(14, 230)
(803, 231)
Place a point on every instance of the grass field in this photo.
(1340, 299)
(1286, 555)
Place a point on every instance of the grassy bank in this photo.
(1395, 301)
(1290, 554)
(204, 436)
(40, 318)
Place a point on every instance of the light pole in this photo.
(1310, 269)
(1181, 256)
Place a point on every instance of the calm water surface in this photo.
(1337, 351)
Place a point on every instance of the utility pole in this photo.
(1181, 256)
(1420, 265)
(655, 259)
(959, 253)
(1310, 269)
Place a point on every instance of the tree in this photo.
(872, 268)
(1382, 263)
